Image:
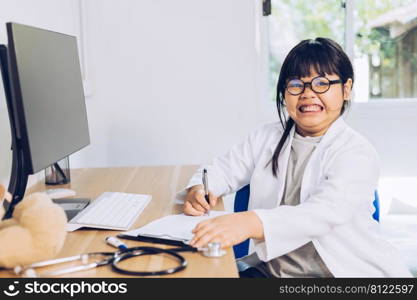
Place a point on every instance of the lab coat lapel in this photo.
(313, 170)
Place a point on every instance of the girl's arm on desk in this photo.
(228, 230)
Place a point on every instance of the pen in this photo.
(156, 240)
(206, 188)
(115, 242)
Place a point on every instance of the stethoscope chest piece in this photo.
(213, 250)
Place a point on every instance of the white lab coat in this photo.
(335, 210)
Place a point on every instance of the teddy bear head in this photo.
(35, 232)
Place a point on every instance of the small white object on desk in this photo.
(115, 242)
(60, 193)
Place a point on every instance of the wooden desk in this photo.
(162, 183)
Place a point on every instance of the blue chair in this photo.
(241, 204)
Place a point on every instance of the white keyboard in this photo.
(111, 210)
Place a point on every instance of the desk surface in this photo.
(162, 183)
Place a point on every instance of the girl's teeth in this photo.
(310, 108)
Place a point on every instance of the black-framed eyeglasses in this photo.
(319, 85)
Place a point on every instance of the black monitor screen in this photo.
(51, 94)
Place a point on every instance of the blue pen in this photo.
(115, 242)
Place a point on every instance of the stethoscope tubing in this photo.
(113, 259)
(140, 251)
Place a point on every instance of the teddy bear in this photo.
(35, 232)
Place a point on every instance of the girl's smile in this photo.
(310, 108)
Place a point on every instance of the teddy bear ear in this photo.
(2, 192)
(5, 196)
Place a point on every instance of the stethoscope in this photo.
(98, 259)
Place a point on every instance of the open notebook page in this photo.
(175, 227)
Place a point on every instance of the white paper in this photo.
(174, 227)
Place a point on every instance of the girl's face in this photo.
(312, 112)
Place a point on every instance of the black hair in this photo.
(322, 55)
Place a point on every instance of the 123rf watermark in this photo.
(369, 289)
(71, 289)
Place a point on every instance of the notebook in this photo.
(173, 227)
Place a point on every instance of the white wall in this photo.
(174, 82)
(391, 126)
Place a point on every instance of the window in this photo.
(386, 46)
(381, 33)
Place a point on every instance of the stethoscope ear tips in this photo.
(18, 270)
(28, 273)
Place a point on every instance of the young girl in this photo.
(312, 180)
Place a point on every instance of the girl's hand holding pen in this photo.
(195, 202)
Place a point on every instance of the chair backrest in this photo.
(376, 205)
(241, 204)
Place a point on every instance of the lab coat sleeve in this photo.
(347, 187)
(229, 172)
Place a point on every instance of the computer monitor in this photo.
(46, 104)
